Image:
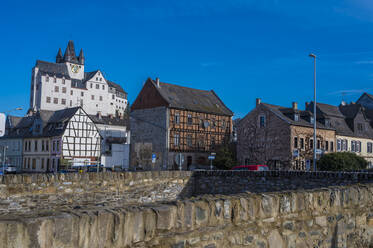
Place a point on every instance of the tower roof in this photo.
(81, 57)
(70, 53)
(59, 57)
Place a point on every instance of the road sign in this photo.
(211, 157)
(319, 151)
(2, 124)
(154, 158)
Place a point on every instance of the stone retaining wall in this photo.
(333, 217)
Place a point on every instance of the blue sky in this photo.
(242, 49)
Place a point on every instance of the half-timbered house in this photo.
(54, 140)
(176, 119)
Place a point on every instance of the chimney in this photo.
(295, 105)
(157, 81)
(258, 101)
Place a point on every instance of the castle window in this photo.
(47, 78)
(311, 143)
(92, 97)
(301, 143)
(97, 86)
(55, 100)
(56, 89)
(71, 103)
(71, 92)
(63, 81)
(312, 120)
(54, 80)
(63, 89)
(63, 101)
(103, 86)
(91, 85)
(360, 126)
(48, 99)
(100, 98)
(113, 97)
(296, 117)
(82, 93)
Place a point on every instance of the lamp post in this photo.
(314, 110)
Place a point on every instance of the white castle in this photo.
(65, 84)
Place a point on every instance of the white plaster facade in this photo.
(66, 84)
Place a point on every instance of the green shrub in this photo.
(341, 161)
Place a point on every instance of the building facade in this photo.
(281, 137)
(66, 84)
(354, 132)
(55, 140)
(168, 120)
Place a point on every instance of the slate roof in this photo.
(106, 120)
(49, 121)
(329, 110)
(116, 86)
(192, 99)
(286, 114)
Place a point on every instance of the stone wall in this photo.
(43, 192)
(330, 217)
(179, 209)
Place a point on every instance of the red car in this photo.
(258, 167)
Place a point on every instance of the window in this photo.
(223, 124)
(35, 145)
(353, 145)
(177, 139)
(63, 81)
(100, 81)
(54, 80)
(339, 145)
(42, 163)
(63, 89)
(295, 142)
(56, 89)
(33, 163)
(96, 78)
(71, 103)
(47, 78)
(296, 117)
(55, 100)
(48, 99)
(312, 120)
(177, 118)
(97, 86)
(92, 97)
(262, 121)
(326, 145)
(47, 145)
(63, 101)
(311, 143)
(58, 145)
(71, 92)
(318, 144)
(189, 140)
(42, 145)
(327, 122)
(82, 93)
(91, 85)
(358, 146)
(54, 146)
(369, 147)
(344, 145)
(301, 143)
(103, 86)
(190, 119)
(113, 97)
(212, 142)
(331, 146)
(100, 98)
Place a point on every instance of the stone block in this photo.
(321, 221)
(166, 216)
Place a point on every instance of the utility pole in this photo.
(314, 111)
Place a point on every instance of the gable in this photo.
(149, 97)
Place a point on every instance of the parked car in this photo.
(257, 167)
(10, 170)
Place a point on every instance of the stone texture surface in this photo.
(333, 216)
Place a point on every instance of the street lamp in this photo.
(314, 110)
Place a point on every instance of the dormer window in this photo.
(312, 120)
(296, 117)
(360, 127)
(327, 123)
